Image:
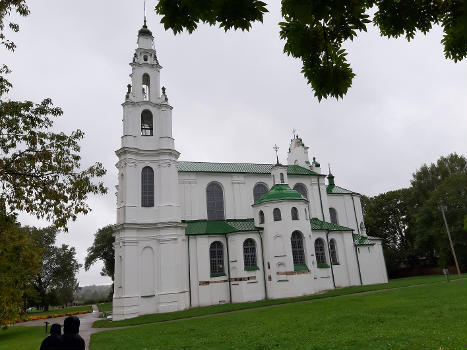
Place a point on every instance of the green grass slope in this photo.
(214, 309)
(21, 338)
(423, 317)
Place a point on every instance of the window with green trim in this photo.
(249, 254)
(319, 251)
(300, 268)
(216, 257)
(298, 253)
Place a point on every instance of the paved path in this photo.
(85, 328)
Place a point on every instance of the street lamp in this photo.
(443, 208)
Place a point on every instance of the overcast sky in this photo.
(235, 95)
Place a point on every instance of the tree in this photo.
(410, 221)
(426, 179)
(39, 169)
(388, 216)
(315, 30)
(19, 262)
(103, 249)
(56, 280)
(432, 236)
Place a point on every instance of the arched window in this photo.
(216, 258)
(294, 213)
(319, 252)
(146, 123)
(282, 178)
(333, 215)
(261, 217)
(147, 187)
(301, 188)
(298, 252)
(249, 253)
(276, 214)
(333, 251)
(215, 201)
(146, 84)
(258, 191)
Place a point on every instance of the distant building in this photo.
(196, 233)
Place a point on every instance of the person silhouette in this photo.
(71, 340)
(53, 340)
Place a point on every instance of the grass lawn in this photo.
(423, 317)
(59, 310)
(395, 283)
(21, 338)
(105, 307)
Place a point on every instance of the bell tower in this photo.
(150, 244)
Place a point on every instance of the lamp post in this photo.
(443, 208)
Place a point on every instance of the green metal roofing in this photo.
(361, 240)
(243, 168)
(280, 192)
(317, 225)
(144, 31)
(219, 227)
(334, 189)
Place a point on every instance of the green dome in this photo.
(279, 192)
(144, 31)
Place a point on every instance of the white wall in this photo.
(238, 193)
(372, 265)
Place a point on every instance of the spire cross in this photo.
(276, 148)
(329, 166)
(294, 131)
(144, 7)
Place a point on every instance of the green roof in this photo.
(144, 31)
(219, 227)
(361, 240)
(334, 189)
(243, 168)
(280, 192)
(317, 225)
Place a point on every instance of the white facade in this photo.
(191, 233)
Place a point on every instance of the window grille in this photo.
(215, 201)
(147, 187)
(298, 252)
(258, 191)
(249, 253)
(319, 251)
(301, 188)
(146, 123)
(282, 178)
(216, 257)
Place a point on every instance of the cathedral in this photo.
(197, 233)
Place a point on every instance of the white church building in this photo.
(196, 233)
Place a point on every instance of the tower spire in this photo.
(144, 10)
(276, 148)
(330, 176)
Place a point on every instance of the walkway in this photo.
(85, 328)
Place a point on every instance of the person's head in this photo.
(71, 325)
(55, 329)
